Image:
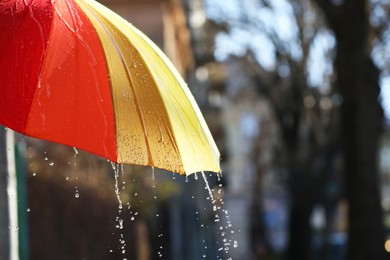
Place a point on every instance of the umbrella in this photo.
(76, 73)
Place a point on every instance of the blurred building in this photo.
(163, 21)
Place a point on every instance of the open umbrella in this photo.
(76, 73)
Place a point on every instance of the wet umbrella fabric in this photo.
(74, 72)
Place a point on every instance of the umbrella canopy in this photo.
(76, 73)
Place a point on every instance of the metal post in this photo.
(9, 242)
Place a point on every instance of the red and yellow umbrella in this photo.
(76, 73)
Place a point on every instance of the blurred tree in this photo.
(362, 120)
(290, 47)
(277, 39)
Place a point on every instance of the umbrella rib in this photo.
(177, 76)
(130, 79)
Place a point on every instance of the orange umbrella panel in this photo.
(56, 81)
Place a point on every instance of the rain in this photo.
(262, 134)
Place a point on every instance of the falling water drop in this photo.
(208, 187)
(120, 223)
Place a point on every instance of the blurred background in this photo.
(297, 96)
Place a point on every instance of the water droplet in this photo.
(34, 174)
(77, 195)
(51, 163)
(120, 226)
(235, 243)
(28, 210)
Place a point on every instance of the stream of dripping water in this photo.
(222, 220)
(221, 217)
(118, 169)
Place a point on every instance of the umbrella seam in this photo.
(174, 97)
(128, 74)
(41, 66)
